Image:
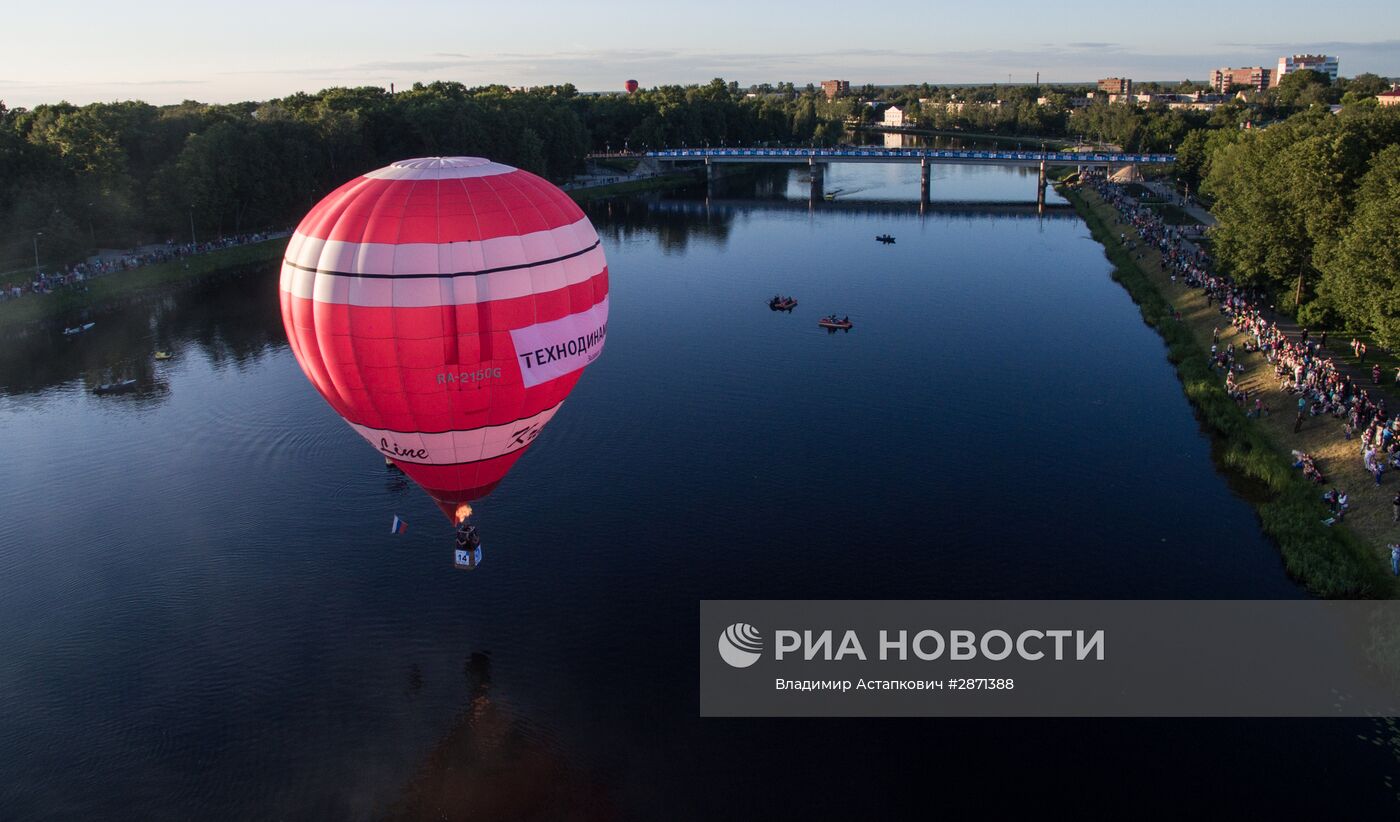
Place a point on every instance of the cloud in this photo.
(153, 82)
(25, 84)
(594, 68)
(1300, 47)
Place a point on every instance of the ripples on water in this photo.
(203, 614)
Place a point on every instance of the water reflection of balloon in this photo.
(445, 307)
(492, 763)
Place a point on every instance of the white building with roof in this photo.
(1320, 63)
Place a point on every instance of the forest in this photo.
(122, 173)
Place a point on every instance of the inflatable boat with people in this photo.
(831, 321)
(782, 303)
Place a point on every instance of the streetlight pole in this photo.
(193, 242)
(37, 235)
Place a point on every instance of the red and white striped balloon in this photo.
(445, 307)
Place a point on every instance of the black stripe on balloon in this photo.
(444, 275)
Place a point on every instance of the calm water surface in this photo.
(203, 614)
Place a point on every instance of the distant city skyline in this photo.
(164, 53)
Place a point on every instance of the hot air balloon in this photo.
(631, 86)
(445, 307)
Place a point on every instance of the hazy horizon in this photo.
(145, 50)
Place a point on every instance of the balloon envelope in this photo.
(445, 307)
(630, 85)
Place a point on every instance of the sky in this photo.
(165, 52)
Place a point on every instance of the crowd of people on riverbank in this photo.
(1301, 363)
(73, 276)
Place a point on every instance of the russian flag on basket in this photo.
(399, 526)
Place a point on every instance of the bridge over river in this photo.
(817, 158)
(966, 208)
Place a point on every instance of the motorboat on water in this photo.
(885, 238)
(782, 303)
(70, 332)
(844, 323)
(120, 387)
(164, 355)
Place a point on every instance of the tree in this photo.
(1363, 276)
(804, 122)
(1303, 88)
(1285, 195)
(1257, 236)
(1365, 85)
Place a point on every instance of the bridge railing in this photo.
(913, 154)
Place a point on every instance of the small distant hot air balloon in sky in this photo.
(631, 86)
(445, 307)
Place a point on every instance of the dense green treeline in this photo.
(1310, 208)
(115, 174)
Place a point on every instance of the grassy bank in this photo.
(149, 279)
(583, 195)
(1340, 561)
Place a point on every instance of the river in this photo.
(203, 613)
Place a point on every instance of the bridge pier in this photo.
(924, 179)
(1040, 187)
(817, 174)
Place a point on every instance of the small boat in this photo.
(785, 304)
(832, 322)
(164, 355)
(115, 387)
(885, 238)
(69, 332)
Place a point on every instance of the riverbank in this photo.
(1342, 561)
(659, 183)
(98, 291)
